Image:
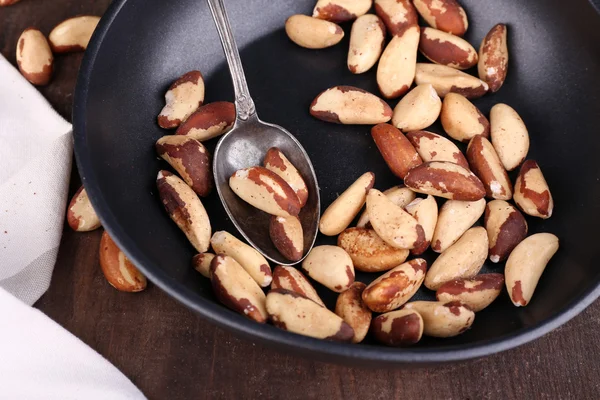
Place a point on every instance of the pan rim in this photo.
(241, 326)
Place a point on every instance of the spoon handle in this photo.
(243, 102)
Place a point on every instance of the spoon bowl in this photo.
(246, 145)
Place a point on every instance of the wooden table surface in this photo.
(170, 352)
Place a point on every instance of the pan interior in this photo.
(552, 82)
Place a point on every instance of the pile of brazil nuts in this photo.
(398, 224)
(35, 53)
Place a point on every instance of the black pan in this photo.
(141, 46)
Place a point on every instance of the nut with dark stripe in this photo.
(394, 288)
(493, 58)
(341, 10)
(398, 328)
(443, 319)
(446, 49)
(295, 313)
(236, 289)
(398, 15)
(190, 159)
(526, 264)
(486, 164)
(445, 179)
(265, 190)
(289, 278)
(185, 209)
(209, 121)
(450, 80)
(350, 105)
(351, 308)
(476, 293)
(506, 228)
(434, 147)
(532, 193)
(184, 97)
(445, 15)
(117, 269)
(81, 216)
(287, 236)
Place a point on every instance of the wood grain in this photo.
(170, 352)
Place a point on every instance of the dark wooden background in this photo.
(170, 352)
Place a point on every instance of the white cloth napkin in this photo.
(38, 358)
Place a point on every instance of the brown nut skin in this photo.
(445, 15)
(81, 216)
(446, 49)
(341, 10)
(397, 65)
(312, 33)
(476, 293)
(265, 190)
(190, 159)
(526, 264)
(73, 34)
(443, 319)
(34, 57)
(455, 218)
(461, 119)
(183, 98)
(506, 228)
(342, 211)
(486, 164)
(369, 252)
(277, 162)
(425, 211)
(398, 328)
(117, 269)
(185, 209)
(367, 41)
(398, 15)
(289, 278)
(450, 80)
(532, 193)
(463, 259)
(397, 151)
(445, 179)
(209, 121)
(331, 266)
(392, 223)
(493, 58)
(201, 263)
(287, 236)
(433, 147)
(350, 105)
(350, 307)
(236, 289)
(400, 195)
(509, 135)
(394, 288)
(295, 313)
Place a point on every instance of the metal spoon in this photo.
(246, 145)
